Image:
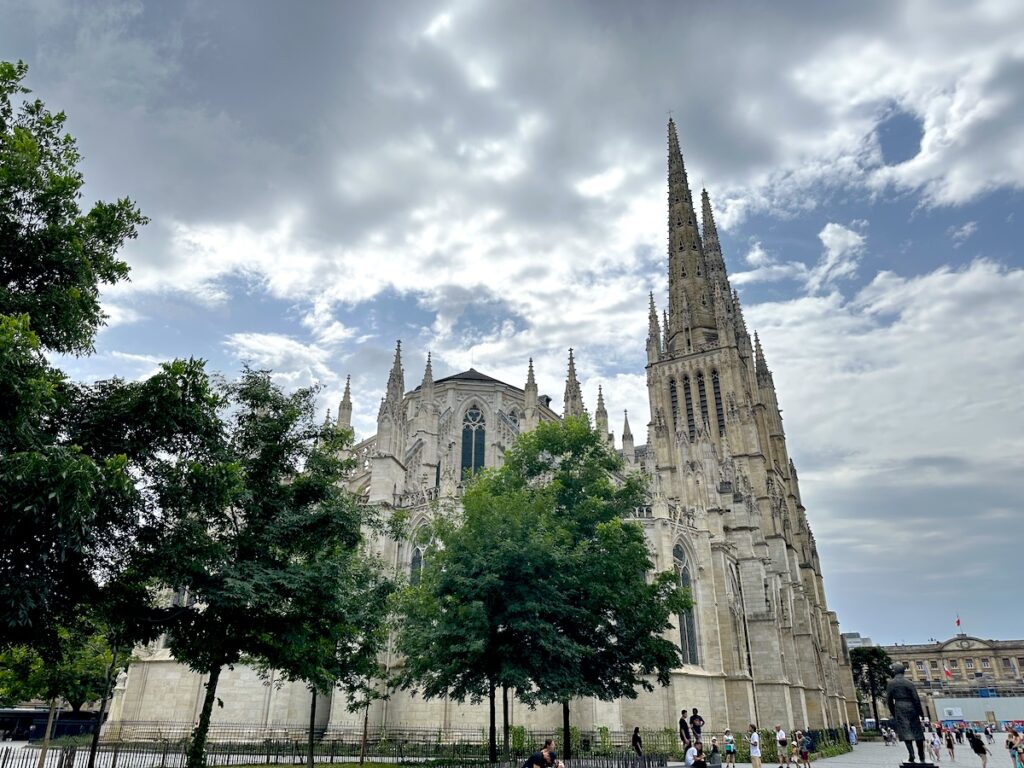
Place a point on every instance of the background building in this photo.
(724, 513)
(979, 680)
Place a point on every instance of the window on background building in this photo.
(473, 441)
(1007, 663)
(969, 663)
(691, 425)
(687, 624)
(702, 395)
(985, 664)
(920, 666)
(933, 664)
(1020, 663)
(953, 664)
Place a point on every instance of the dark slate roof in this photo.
(472, 375)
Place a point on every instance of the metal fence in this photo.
(168, 755)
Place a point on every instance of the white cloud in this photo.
(843, 249)
(293, 363)
(961, 234)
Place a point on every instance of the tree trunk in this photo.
(492, 734)
(95, 743)
(197, 750)
(566, 732)
(312, 726)
(46, 736)
(874, 708)
(366, 727)
(504, 715)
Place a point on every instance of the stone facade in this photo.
(724, 513)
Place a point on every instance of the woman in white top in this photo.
(755, 746)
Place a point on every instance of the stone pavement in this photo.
(874, 754)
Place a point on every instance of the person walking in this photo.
(950, 744)
(755, 746)
(638, 742)
(935, 746)
(729, 742)
(978, 747)
(781, 741)
(804, 741)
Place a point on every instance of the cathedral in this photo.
(723, 512)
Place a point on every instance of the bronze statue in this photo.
(905, 706)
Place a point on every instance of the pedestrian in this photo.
(935, 746)
(988, 734)
(545, 758)
(959, 734)
(755, 746)
(699, 760)
(684, 730)
(714, 756)
(638, 743)
(805, 748)
(853, 734)
(696, 724)
(782, 741)
(691, 754)
(978, 747)
(729, 742)
(950, 744)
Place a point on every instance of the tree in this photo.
(53, 260)
(249, 527)
(474, 621)
(872, 668)
(612, 620)
(541, 586)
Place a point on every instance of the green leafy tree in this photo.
(251, 527)
(872, 668)
(612, 620)
(53, 260)
(474, 621)
(541, 586)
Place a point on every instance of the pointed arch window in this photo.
(687, 622)
(702, 394)
(691, 425)
(716, 387)
(473, 441)
(674, 396)
(416, 566)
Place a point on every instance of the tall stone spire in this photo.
(628, 448)
(601, 415)
(427, 406)
(531, 416)
(687, 272)
(396, 378)
(713, 248)
(764, 376)
(653, 333)
(345, 408)
(573, 401)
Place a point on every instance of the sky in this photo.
(487, 181)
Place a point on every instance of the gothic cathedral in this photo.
(724, 512)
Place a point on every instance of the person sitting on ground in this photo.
(699, 761)
(691, 754)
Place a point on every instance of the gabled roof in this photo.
(473, 375)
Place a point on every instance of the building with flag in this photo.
(967, 668)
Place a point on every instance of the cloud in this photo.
(961, 234)
(843, 249)
(292, 363)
